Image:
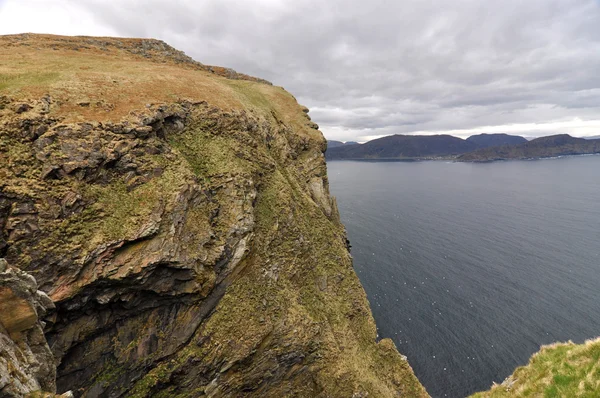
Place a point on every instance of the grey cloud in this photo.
(393, 66)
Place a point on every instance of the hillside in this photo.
(557, 370)
(488, 140)
(335, 144)
(166, 230)
(403, 147)
(418, 146)
(544, 147)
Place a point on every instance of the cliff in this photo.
(166, 230)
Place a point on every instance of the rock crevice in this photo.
(190, 248)
(26, 362)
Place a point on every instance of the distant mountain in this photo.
(403, 147)
(544, 147)
(335, 144)
(596, 137)
(488, 140)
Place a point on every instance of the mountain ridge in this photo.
(418, 146)
(488, 140)
(543, 147)
(402, 147)
(478, 148)
(335, 144)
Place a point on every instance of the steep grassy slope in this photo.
(558, 370)
(179, 218)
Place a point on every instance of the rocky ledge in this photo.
(177, 242)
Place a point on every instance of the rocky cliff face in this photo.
(26, 362)
(180, 222)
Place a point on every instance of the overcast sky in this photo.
(373, 68)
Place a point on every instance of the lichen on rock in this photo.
(184, 230)
(26, 362)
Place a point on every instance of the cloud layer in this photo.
(368, 69)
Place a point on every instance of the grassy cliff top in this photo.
(557, 370)
(104, 79)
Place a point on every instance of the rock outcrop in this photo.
(181, 223)
(26, 362)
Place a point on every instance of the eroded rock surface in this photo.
(26, 362)
(191, 247)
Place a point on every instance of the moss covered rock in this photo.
(180, 219)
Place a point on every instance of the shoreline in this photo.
(454, 159)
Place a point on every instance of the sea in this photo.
(470, 267)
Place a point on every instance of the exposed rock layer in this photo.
(26, 362)
(190, 245)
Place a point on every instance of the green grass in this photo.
(559, 370)
(15, 81)
(276, 304)
(207, 154)
(249, 95)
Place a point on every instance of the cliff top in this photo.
(151, 49)
(104, 79)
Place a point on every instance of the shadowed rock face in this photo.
(190, 249)
(26, 362)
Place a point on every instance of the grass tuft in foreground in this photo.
(557, 370)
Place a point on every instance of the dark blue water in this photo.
(469, 268)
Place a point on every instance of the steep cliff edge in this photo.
(557, 370)
(179, 218)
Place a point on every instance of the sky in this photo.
(367, 69)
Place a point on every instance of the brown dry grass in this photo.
(116, 76)
(557, 370)
(113, 77)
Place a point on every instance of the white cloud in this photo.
(49, 16)
(375, 68)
